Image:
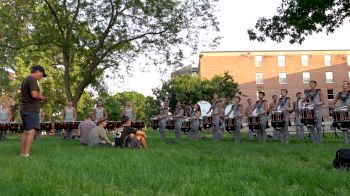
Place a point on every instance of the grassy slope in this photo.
(64, 167)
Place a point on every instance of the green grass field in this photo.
(58, 167)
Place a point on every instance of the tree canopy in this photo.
(191, 88)
(84, 38)
(297, 19)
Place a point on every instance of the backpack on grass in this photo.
(342, 159)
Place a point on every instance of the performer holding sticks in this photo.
(217, 134)
(284, 106)
(273, 107)
(247, 112)
(5, 117)
(99, 112)
(129, 111)
(69, 114)
(178, 116)
(193, 134)
(162, 118)
(314, 98)
(237, 110)
(299, 127)
(344, 98)
(260, 108)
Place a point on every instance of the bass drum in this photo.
(205, 107)
(227, 110)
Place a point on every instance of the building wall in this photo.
(241, 65)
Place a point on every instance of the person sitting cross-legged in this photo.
(98, 135)
(130, 137)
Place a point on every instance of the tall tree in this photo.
(89, 37)
(297, 19)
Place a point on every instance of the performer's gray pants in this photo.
(162, 124)
(316, 130)
(217, 132)
(178, 125)
(194, 132)
(237, 133)
(299, 127)
(284, 135)
(261, 134)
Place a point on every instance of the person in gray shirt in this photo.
(84, 130)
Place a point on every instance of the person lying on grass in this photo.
(98, 135)
(130, 137)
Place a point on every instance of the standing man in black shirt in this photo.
(30, 107)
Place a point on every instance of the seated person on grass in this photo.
(130, 137)
(84, 130)
(98, 135)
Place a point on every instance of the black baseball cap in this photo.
(39, 68)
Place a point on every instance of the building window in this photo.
(330, 94)
(306, 77)
(282, 78)
(328, 60)
(329, 77)
(281, 61)
(348, 58)
(259, 78)
(305, 60)
(258, 61)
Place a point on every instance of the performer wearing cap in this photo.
(5, 117)
(178, 115)
(31, 98)
(98, 135)
(237, 110)
(69, 114)
(284, 105)
(261, 109)
(273, 107)
(314, 97)
(299, 128)
(344, 97)
(129, 111)
(100, 111)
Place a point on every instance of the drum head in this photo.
(227, 110)
(205, 107)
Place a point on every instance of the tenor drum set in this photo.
(254, 122)
(277, 119)
(308, 116)
(341, 118)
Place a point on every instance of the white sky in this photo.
(235, 18)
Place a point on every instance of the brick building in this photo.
(272, 70)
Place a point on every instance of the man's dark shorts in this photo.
(31, 120)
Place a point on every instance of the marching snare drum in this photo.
(170, 123)
(277, 119)
(110, 125)
(308, 116)
(230, 124)
(13, 127)
(155, 123)
(186, 125)
(207, 122)
(46, 126)
(254, 122)
(4, 126)
(341, 119)
(138, 124)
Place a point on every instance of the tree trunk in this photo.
(66, 64)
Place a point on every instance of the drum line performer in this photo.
(261, 109)
(344, 98)
(217, 134)
(5, 117)
(299, 127)
(178, 116)
(69, 114)
(284, 105)
(193, 134)
(237, 110)
(247, 112)
(273, 107)
(314, 97)
(162, 119)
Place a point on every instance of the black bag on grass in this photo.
(342, 159)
